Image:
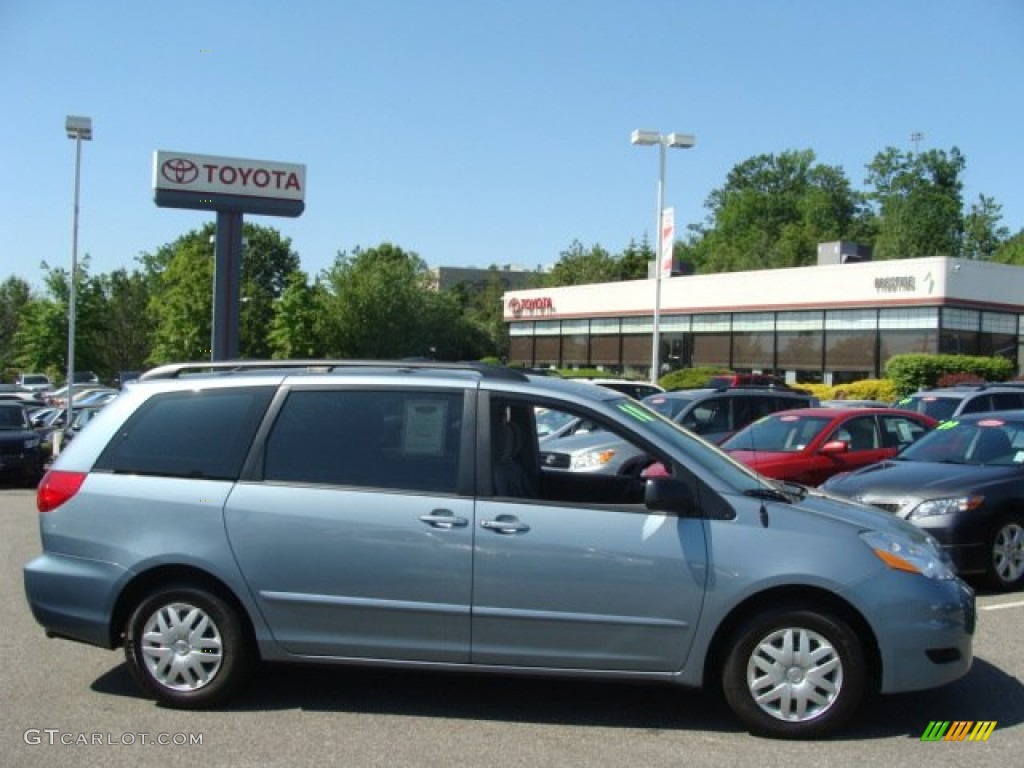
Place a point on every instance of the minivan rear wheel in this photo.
(794, 673)
(187, 647)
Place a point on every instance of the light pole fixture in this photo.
(678, 140)
(79, 129)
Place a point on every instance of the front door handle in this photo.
(505, 524)
(445, 519)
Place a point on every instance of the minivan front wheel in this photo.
(186, 647)
(794, 673)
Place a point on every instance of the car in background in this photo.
(716, 414)
(731, 380)
(21, 453)
(944, 403)
(712, 414)
(638, 390)
(963, 483)
(34, 382)
(810, 445)
(95, 397)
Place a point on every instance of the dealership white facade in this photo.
(829, 323)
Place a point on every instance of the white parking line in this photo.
(1000, 606)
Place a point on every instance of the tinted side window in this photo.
(1004, 401)
(402, 440)
(978, 404)
(202, 434)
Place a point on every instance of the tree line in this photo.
(772, 211)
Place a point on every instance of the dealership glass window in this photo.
(674, 323)
(906, 342)
(800, 350)
(753, 321)
(547, 328)
(605, 325)
(799, 321)
(850, 351)
(575, 342)
(636, 349)
(638, 325)
(999, 322)
(547, 350)
(753, 351)
(851, 320)
(954, 342)
(520, 329)
(711, 349)
(960, 319)
(520, 350)
(909, 318)
(715, 323)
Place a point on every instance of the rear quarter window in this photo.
(200, 434)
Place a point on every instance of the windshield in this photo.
(779, 433)
(12, 418)
(939, 408)
(699, 455)
(992, 441)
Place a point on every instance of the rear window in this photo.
(201, 434)
(939, 408)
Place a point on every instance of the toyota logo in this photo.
(515, 307)
(178, 170)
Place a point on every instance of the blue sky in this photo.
(481, 132)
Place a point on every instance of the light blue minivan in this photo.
(397, 513)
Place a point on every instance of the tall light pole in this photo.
(79, 129)
(680, 140)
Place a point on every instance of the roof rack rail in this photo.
(177, 370)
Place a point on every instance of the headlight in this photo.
(32, 442)
(902, 554)
(592, 459)
(934, 507)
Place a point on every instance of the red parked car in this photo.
(809, 445)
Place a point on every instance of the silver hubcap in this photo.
(181, 647)
(794, 674)
(1008, 553)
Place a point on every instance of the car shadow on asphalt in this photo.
(986, 693)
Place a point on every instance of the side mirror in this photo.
(833, 447)
(667, 494)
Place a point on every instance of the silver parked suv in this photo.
(216, 515)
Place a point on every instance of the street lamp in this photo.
(679, 140)
(79, 129)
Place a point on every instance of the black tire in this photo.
(1005, 570)
(774, 692)
(187, 647)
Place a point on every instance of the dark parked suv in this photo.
(715, 414)
(216, 515)
(944, 403)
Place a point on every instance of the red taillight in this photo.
(56, 487)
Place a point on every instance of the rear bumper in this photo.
(73, 597)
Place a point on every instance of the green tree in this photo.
(15, 295)
(297, 327)
(918, 197)
(181, 278)
(773, 211)
(581, 266)
(128, 325)
(983, 234)
(42, 335)
(634, 260)
(1011, 250)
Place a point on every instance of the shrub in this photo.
(912, 372)
(689, 378)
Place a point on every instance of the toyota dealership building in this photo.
(832, 323)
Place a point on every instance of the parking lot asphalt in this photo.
(68, 704)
